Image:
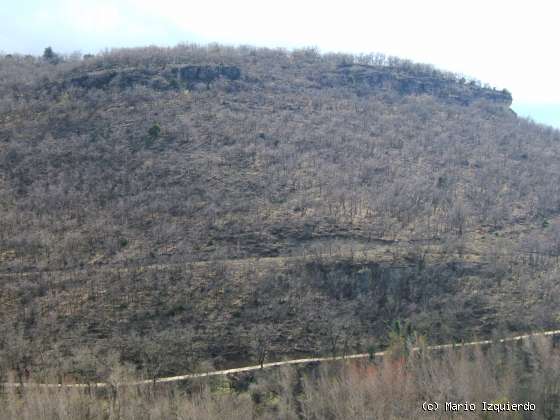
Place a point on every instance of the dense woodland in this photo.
(180, 208)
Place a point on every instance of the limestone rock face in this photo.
(363, 79)
(156, 78)
(367, 79)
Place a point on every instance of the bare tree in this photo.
(260, 339)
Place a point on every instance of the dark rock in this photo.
(97, 80)
(206, 74)
(231, 72)
(159, 79)
(376, 79)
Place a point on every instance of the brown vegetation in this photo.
(391, 388)
(178, 207)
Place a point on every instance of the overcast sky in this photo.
(511, 44)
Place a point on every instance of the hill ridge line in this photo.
(249, 368)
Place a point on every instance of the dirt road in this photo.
(280, 363)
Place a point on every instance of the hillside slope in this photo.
(204, 203)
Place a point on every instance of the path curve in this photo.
(276, 364)
(381, 253)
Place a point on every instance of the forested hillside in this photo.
(195, 205)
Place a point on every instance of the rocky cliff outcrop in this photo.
(367, 79)
(156, 78)
(364, 79)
